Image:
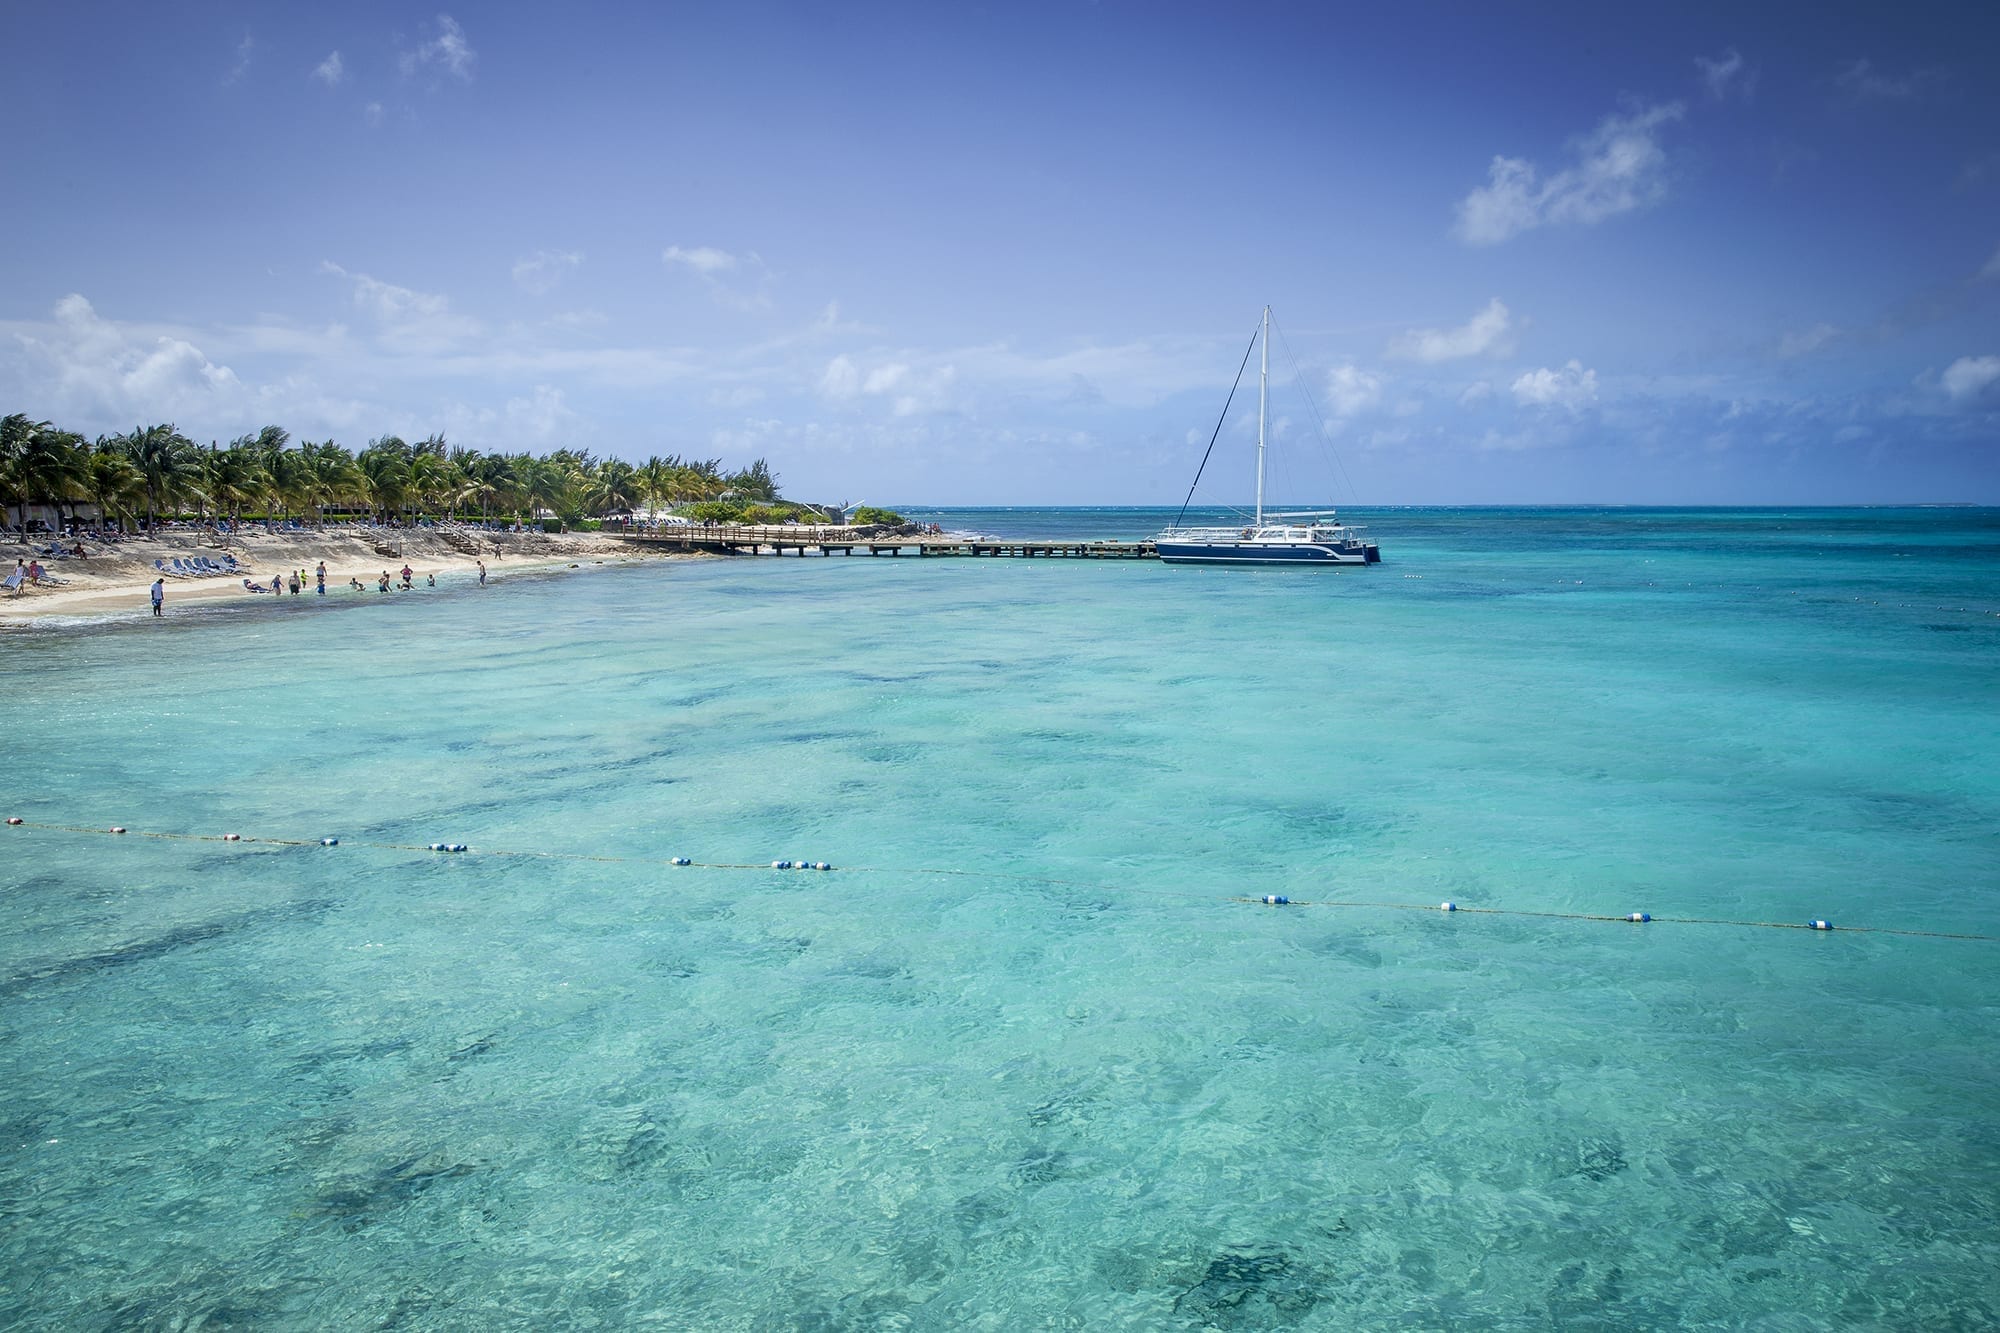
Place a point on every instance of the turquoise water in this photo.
(1069, 1083)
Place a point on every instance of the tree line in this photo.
(156, 471)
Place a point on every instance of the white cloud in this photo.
(1620, 167)
(1571, 387)
(246, 50)
(408, 319)
(1726, 75)
(329, 71)
(1969, 377)
(372, 113)
(842, 378)
(703, 259)
(543, 271)
(1475, 393)
(1803, 342)
(91, 372)
(448, 51)
(1485, 332)
(909, 389)
(1860, 80)
(883, 379)
(750, 290)
(1350, 390)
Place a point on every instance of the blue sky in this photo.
(1011, 254)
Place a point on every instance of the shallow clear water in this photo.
(1029, 1065)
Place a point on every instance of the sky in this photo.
(1012, 254)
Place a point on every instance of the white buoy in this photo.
(329, 842)
(1277, 900)
(781, 865)
(682, 861)
(1640, 917)
(1818, 924)
(1447, 907)
(13, 819)
(117, 828)
(230, 837)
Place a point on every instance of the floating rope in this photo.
(1267, 900)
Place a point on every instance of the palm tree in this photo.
(167, 461)
(113, 484)
(17, 434)
(385, 466)
(756, 482)
(616, 486)
(236, 475)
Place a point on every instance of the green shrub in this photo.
(870, 514)
(552, 525)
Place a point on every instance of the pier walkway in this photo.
(787, 538)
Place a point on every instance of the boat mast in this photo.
(1263, 389)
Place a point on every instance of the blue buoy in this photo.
(1277, 900)
(435, 846)
(1818, 924)
(1641, 917)
(458, 847)
(822, 865)
(781, 865)
(682, 861)
(1447, 907)
(329, 842)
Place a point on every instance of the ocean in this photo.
(1027, 1056)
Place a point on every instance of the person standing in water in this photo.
(159, 594)
(482, 572)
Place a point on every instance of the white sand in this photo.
(113, 581)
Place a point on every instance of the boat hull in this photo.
(1258, 553)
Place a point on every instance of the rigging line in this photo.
(1300, 375)
(1218, 423)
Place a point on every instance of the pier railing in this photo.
(782, 539)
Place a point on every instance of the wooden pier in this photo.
(803, 541)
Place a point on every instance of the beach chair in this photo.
(14, 581)
(182, 568)
(229, 564)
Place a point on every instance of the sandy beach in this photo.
(112, 581)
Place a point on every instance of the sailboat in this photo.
(1295, 537)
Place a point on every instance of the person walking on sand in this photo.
(159, 594)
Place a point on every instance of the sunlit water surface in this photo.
(1021, 1060)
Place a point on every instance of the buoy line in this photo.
(1629, 918)
(1267, 900)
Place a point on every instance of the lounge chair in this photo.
(229, 564)
(14, 581)
(182, 568)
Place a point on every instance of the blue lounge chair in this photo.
(14, 581)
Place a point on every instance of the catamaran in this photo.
(1294, 537)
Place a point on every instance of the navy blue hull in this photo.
(1246, 553)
